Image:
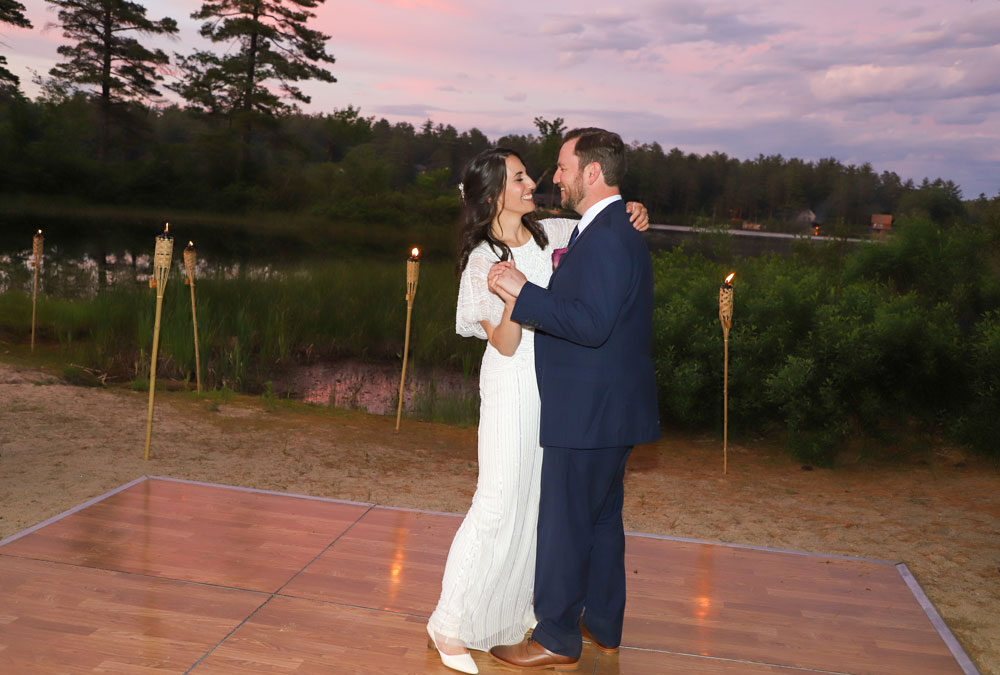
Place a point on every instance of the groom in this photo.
(595, 376)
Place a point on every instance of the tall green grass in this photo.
(252, 324)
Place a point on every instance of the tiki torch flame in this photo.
(415, 254)
(730, 277)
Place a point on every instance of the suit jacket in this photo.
(593, 339)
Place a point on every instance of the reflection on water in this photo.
(83, 276)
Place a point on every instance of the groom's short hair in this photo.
(601, 146)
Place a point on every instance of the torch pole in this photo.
(726, 319)
(37, 245)
(725, 402)
(412, 276)
(190, 260)
(161, 270)
(406, 350)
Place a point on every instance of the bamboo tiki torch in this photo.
(37, 246)
(726, 318)
(190, 260)
(162, 255)
(412, 275)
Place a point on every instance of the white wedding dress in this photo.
(486, 592)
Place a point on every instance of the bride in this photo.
(486, 592)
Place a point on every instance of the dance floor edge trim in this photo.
(945, 633)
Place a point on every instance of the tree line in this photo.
(100, 132)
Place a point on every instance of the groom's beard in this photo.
(572, 194)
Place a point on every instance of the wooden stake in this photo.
(162, 256)
(190, 260)
(726, 319)
(725, 403)
(37, 246)
(412, 276)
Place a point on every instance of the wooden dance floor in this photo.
(168, 576)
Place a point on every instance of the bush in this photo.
(833, 348)
(979, 426)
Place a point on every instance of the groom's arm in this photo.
(602, 272)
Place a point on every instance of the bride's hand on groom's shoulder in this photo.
(639, 216)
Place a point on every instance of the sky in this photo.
(910, 86)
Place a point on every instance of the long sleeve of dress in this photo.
(476, 302)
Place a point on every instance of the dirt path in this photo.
(61, 445)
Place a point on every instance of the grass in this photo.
(251, 324)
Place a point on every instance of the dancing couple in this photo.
(567, 388)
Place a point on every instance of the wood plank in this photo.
(177, 530)
(306, 637)
(774, 607)
(301, 637)
(391, 560)
(58, 618)
(631, 661)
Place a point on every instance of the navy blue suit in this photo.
(593, 337)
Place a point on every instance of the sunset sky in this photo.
(911, 86)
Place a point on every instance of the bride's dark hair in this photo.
(483, 181)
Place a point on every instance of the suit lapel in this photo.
(605, 213)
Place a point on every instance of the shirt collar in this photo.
(594, 210)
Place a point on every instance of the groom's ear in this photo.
(592, 172)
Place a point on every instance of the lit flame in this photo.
(166, 228)
(415, 253)
(730, 277)
(39, 232)
(191, 244)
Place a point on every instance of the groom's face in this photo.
(568, 176)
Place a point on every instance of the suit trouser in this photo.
(581, 548)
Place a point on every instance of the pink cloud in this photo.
(437, 5)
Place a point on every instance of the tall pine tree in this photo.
(11, 12)
(269, 43)
(105, 57)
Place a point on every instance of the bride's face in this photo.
(519, 190)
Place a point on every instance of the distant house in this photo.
(881, 222)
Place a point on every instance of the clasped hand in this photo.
(506, 280)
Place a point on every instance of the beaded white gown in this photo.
(487, 589)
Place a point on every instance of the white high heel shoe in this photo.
(463, 663)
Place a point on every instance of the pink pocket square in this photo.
(557, 255)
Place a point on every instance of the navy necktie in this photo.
(572, 237)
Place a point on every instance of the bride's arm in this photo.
(506, 336)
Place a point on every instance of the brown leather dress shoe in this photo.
(530, 655)
(601, 647)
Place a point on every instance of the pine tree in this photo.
(11, 12)
(271, 43)
(104, 56)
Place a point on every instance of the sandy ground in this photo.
(61, 445)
